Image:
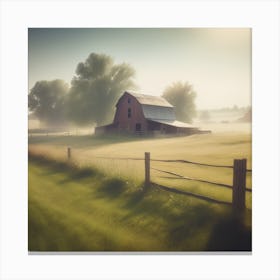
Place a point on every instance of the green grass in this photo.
(94, 204)
(73, 208)
(218, 148)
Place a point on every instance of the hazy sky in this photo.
(217, 62)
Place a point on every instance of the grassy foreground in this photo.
(217, 148)
(84, 209)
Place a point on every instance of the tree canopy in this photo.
(96, 87)
(46, 100)
(182, 97)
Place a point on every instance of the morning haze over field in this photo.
(216, 61)
(139, 140)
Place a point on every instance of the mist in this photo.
(216, 61)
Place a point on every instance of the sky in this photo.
(215, 61)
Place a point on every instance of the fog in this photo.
(216, 61)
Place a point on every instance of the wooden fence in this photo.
(238, 186)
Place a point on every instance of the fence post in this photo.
(239, 184)
(68, 153)
(147, 169)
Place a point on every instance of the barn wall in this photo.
(121, 120)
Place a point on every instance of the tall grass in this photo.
(218, 148)
(79, 208)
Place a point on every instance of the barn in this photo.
(145, 114)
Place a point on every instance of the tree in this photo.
(46, 100)
(96, 87)
(182, 97)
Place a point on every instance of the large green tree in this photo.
(46, 100)
(182, 97)
(96, 87)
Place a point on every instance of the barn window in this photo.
(128, 100)
(129, 113)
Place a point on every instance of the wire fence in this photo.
(197, 180)
(171, 161)
(208, 199)
(196, 163)
(239, 177)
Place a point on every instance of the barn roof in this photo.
(150, 99)
(157, 109)
(158, 112)
(174, 123)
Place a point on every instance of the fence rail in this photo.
(197, 163)
(191, 194)
(196, 179)
(239, 177)
(192, 162)
(172, 160)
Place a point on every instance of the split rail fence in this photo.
(238, 186)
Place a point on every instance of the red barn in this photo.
(145, 114)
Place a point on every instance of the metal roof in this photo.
(150, 99)
(158, 112)
(174, 123)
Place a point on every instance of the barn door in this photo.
(138, 127)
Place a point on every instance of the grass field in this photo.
(103, 205)
(217, 148)
(81, 209)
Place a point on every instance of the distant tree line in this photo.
(234, 108)
(95, 88)
(225, 113)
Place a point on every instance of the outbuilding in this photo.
(145, 114)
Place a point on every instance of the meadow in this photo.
(100, 201)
